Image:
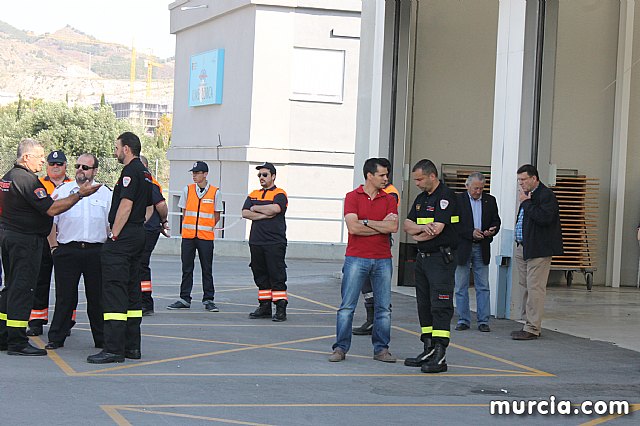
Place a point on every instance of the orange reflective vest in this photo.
(49, 185)
(390, 189)
(199, 218)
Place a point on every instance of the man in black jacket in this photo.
(479, 222)
(538, 238)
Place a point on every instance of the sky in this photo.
(145, 23)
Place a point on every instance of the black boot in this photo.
(437, 362)
(424, 357)
(367, 328)
(281, 311)
(263, 311)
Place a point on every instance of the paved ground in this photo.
(203, 368)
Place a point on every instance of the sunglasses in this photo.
(84, 167)
(55, 163)
(263, 174)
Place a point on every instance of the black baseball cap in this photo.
(268, 166)
(199, 166)
(56, 157)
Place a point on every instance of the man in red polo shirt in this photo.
(371, 215)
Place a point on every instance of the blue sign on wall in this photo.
(206, 78)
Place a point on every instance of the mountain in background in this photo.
(69, 65)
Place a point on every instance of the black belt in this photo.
(81, 244)
(518, 243)
(476, 242)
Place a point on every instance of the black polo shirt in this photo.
(272, 230)
(24, 203)
(134, 184)
(439, 206)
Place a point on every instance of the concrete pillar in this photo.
(620, 135)
(508, 108)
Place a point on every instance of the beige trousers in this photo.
(533, 275)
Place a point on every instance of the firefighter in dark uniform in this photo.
(431, 222)
(121, 298)
(56, 176)
(26, 212)
(367, 291)
(266, 208)
(155, 225)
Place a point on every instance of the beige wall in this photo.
(454, 82)
(583, 100)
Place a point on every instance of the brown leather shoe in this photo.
(337, 355)
(384, 356)
(523, 335)
(519, 331)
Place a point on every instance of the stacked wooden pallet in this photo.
(578, 199)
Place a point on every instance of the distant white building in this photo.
(143, 113)
(268, 80)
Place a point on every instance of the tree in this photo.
(163, 131)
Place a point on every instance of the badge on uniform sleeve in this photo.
(126, 181)
(444, 204)
(40, 193)
(418, 207)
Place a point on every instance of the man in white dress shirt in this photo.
(76, 240)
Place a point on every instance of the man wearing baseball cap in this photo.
(266, 208)
(201, 204)
(55, 177)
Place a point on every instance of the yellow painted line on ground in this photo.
(53, 356)
(112, 411)
(338, 375)
(313, 301)
(328, 405)
(191, 416)
(486, 355)
(226, 351)
(632, 408)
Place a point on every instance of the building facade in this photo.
(268, 80)
(497, 84)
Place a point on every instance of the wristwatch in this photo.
(112, 237)
(365, 222)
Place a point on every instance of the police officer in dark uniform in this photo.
(431, 222)
(121, 298)
(26, 212)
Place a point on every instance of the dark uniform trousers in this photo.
(151, 238)
(21, 257)
(435, 282)
(71, 261)
(121, 299)
(188, 254)
(268, 266)
(40, 311)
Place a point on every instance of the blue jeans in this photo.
(355, 271)
(481, 283)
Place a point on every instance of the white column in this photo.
(370, 84)
(619, 149)
(507, 126)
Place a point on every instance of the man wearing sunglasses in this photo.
(76, 240)
(265, 208)
(201, 204)
(56, 176)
